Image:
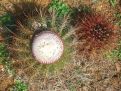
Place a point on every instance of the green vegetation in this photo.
(4, 59)
(118, 17)
(7, 23)
(19, 86)
(7, 20)
(115, 54)
(3, 51)
(113, 2)
(60, 7)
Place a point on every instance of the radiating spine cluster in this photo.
(96, 33)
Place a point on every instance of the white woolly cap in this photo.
(47, 47)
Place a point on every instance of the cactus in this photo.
(97, 34)
(30, 17)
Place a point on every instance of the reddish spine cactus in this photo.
(97, 33)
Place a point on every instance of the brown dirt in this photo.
(5, 80)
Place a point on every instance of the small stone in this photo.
(118, 67)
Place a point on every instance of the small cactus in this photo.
(31, 17)
(96, 33)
